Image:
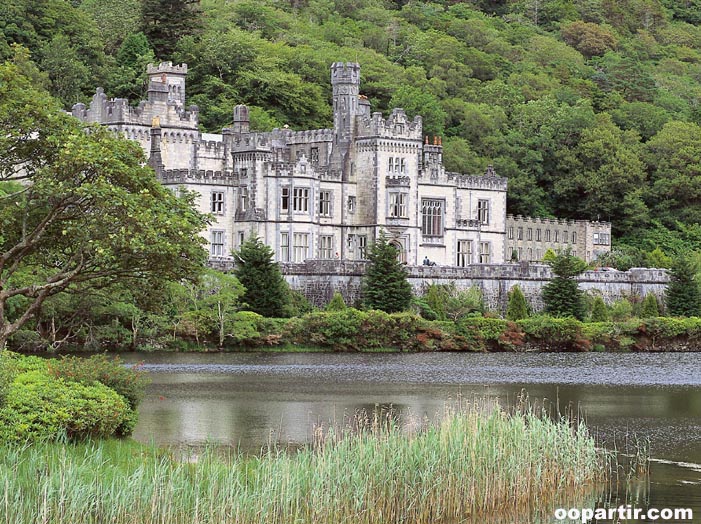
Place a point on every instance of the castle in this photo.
(326, 194)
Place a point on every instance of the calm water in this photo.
(249, 399)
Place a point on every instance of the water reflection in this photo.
(251, 399)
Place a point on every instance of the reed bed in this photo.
(465, 467)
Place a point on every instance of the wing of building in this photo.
(325, 193)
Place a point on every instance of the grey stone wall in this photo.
(318, 279)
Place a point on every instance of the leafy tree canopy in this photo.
(79, 208)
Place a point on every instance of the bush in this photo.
(517, 308)
(41, 407)
(337, 303)
(559, 334)
(599, 311)
(130, 383)
(621, 310)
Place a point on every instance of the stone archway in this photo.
(401, 252)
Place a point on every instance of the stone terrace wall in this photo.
(318, 279)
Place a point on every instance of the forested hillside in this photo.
(590, 107)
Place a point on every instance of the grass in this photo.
(470, 464)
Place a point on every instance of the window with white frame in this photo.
(284, 247)
(300, 201)
(325, 203)
(398, 205)
(485, 256)
(520, 234)
(326, 246)
(432, 217)
(243, 198)
(217, 202)
(483, 211)
(284, 198)
(300, 247)
(402, 167)
(464, 253)
(511, 232)
(217, 244)
(362, 243)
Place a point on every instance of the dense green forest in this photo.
(589, 107)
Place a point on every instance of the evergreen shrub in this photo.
(41, 407)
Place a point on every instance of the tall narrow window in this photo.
(362, 246)
(529, 234)
(315, 155)
(574, 237)
(557, 236)
(484, 253)
(217, 202)
(326, 246)
(243, 198)
(565, 236)
(325, 203)
(520, 233)
(300, 246)
(390, 165)
(511, 232)
(464, 253)
(217, 244)
(398, 205)
(351, 204)
(547, 235)
(537, 235)
(483, 211)
(432, 217)
(403, 165)
(284, 247)
(284, 198)
(300, 202)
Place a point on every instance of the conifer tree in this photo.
(650, 307)
(164, 22)
(385, 286)
(599, 311)
(266, 290)
(562, 295)
(337, 303)
(517, 308)
(683, 296)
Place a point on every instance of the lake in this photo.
(250, 399)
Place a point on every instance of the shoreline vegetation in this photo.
(352, 330)
(474, 462)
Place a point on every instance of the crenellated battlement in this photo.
(309, 137)
(396, 126)
(519, 219)
(166, 67)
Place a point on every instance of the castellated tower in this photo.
(345, 81)
(171, 75)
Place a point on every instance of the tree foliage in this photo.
(88, 213)
(562, 296)
(683, 297)
(266, 290)
(385, 285)
(517, 307)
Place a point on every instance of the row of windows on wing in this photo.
(432, 210)
(549, 236)
(517, 254)
(356, 246)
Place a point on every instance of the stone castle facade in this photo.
(326, 194)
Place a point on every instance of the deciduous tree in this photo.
(87, 213)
